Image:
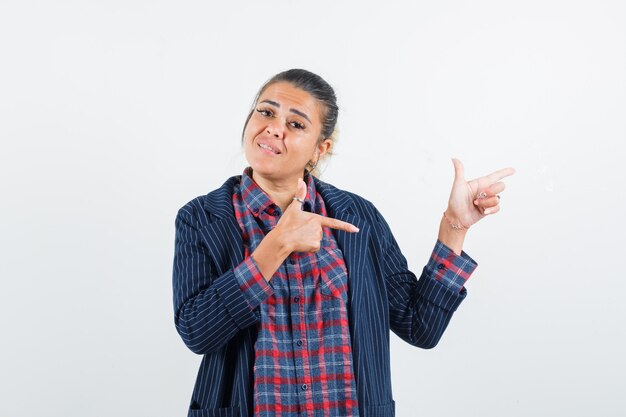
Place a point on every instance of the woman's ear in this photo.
(324, 147)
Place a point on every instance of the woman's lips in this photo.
(267, 151)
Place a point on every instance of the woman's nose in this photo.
(274, 129)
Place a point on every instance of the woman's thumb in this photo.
(300, 191)
(459, 170)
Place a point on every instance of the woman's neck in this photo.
(281, 192)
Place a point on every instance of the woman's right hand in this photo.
(302, 231)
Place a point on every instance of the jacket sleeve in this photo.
(208, 309)
(420, 310)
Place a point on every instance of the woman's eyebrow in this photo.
(296, 111)
(301, 114)
(273, 103)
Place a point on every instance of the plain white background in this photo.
(114, 114)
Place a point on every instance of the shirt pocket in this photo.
(333, 273)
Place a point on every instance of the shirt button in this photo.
(304, 387)
(299, 343)
(296, 299)
(441, 266)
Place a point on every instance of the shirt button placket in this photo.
(297, 299)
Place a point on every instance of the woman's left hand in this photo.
(472, 200)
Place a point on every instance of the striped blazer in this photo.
(213, 318)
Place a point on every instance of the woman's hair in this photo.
(320, 90)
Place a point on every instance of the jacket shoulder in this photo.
(343, 200)
(206, 208)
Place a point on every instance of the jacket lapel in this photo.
(339, 206)
(221, 231)
(352, 246)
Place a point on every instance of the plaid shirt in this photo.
(303, 357)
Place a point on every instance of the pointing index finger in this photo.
(499, 174)
(338, 224)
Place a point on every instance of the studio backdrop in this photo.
(114, 114)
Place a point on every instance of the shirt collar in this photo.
(257, 200)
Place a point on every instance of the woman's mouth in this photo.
(267, 149)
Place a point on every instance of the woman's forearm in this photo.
(270, 254)
(450, 237)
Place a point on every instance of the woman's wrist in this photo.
(451, 236)
(279, 242)
(270, 254)
(455, 224)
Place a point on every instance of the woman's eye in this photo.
(297, 125)
(264, 112)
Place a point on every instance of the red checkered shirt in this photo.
(303, 357)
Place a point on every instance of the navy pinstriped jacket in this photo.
(213, 317)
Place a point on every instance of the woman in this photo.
(288, 286)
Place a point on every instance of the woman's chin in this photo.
(264, 168)
(268, 170)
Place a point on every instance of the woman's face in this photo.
(287, 120)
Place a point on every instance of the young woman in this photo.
(288, 286)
